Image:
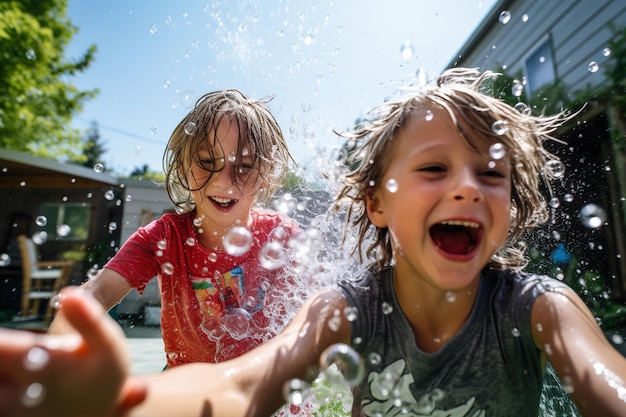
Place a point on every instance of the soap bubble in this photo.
(592, 216)
(346, 360)
(237, 241)
(272, 255)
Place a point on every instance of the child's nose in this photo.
(224, 177)
(467, 188)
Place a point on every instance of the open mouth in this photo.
(456, 237)
(223, 202)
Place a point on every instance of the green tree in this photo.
(37, 100)
(93, 147)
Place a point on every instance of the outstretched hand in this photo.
(83, 374)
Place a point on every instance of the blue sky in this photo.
(324, 63)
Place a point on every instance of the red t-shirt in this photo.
(214, 306)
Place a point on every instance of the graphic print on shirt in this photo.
(391, 393)
(217, 295)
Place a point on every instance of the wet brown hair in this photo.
(459, 91)
(261, 141)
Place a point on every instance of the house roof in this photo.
(485, 26)
(19, 170)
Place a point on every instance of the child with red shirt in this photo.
(224, 157)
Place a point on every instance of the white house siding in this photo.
(578, 31)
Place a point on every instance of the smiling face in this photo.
(446, 205)
(223, 181)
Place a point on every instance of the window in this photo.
(65, 221)
(539, 67)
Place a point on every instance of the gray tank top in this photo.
(491, 367)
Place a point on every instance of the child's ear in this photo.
(375, 210)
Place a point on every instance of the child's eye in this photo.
(493, 173)
(432, 168)
(212, 165)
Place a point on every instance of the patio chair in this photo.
(41, 280)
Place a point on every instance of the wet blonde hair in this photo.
(459, 92)
(261, 141)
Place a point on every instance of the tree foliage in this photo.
(37, 99)
(93, 147)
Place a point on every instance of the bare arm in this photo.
(89, 375)
(250, 385)
(591, 370)
(108, 287)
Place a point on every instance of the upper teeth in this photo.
(473, 225)
(222, 200)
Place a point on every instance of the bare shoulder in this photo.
(591, 370)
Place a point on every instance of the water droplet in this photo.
(237, 323)
(593, 66)
(40, 238)
(374, 358)
(592, 216)
(606, 51)
(212, 257)
(190, 241)
(112, 226)
(167, 268)
(5, 260)
(153, 29)
(63, 230)
(36, 359)
(515, 332)
(568, 197)
(237, 241)
(346, 360)
(522, 108)
(351, 313)
(500, 127)
(31, 55)
(429, 115)
(392, 185)
(306, 107)
(617, 339)
(517, 88)
(162, 244)
(272, 255)
(497, 151)
(555, 168)
(295, 391)
(407, 49)
(524, 18)
(109, 195)
(34, 395)
(41, 221)
(555, 202)
(505, 16)
(387, 308)
(190, 128)
(450, 296)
